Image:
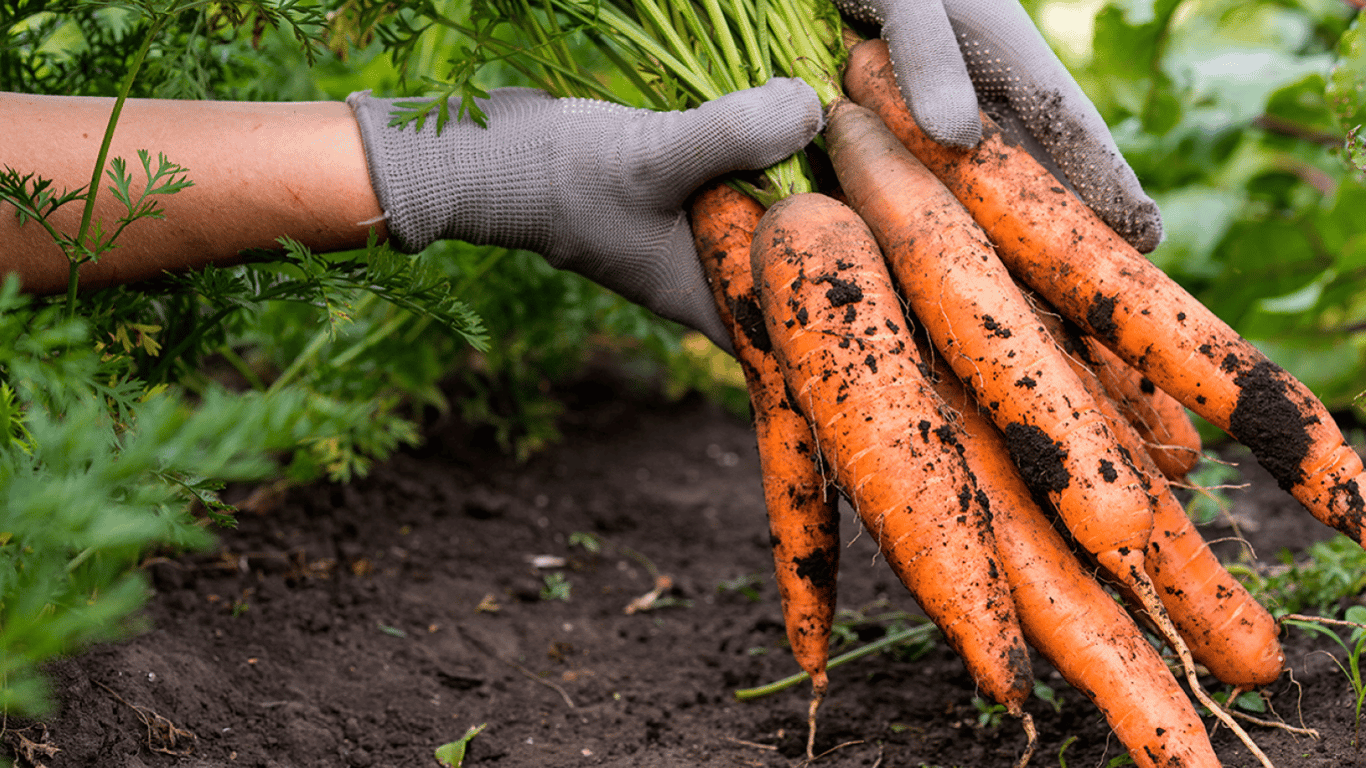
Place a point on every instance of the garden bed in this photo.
(366, 624)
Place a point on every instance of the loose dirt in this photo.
(366, 624)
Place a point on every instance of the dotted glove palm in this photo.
(594, 187)
(949, 55)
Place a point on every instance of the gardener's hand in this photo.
(950, 54)
(593, 187)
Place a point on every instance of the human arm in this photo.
(260, 171)
(594, 187)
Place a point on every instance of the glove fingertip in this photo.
(1141, 226)
(960, 131)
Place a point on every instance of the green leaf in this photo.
(1250, 701)
(1300, 300)
(452, 754)
(1195, 218)
(1346, 89)
(1163, 109)
(1353, 254)
(1356, 614)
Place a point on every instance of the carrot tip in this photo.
(1032, 734)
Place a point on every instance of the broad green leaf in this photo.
(1162, 111)
(1301, 300)
(1195, 218)
(1343, 219)
(1235, 82)
(1353, 254)
(1302, 106)
(1251, 701)
(1357, 615)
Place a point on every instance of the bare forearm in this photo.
(260, 171)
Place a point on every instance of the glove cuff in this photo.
(464, 182)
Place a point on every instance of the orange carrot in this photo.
(839, 334)
(803, 516)
(990, 336)
(1227, 630)
(1070, 619)
(1059, 247)
(1168, 434)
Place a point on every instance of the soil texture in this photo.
(367, 624)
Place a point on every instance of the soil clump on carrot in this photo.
(1267, 422)
(1039, 459)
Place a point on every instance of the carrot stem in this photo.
(911, 634)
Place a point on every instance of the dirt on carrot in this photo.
(802, 506)
(840, 336)
(1069, 618)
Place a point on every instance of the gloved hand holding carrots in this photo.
(594, 187)
(952, 56)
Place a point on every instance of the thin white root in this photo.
(816, 698)
(1147, 594)
(1027, 722)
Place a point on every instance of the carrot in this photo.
(1059, 247)
(979, 320)
(1168, 434)
(803, 515)
(1070, 619)
(1227, 630)
(837, 329)
(990, 336)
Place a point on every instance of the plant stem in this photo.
(73, 276)
(896, 638)
(235, 360)
(309, 356)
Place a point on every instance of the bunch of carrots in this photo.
(998, 384)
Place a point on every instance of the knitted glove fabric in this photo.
(594, 187)
(950, 54)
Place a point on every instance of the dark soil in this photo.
(366, 624)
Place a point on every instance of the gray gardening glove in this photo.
(593, 187)
(949, 55)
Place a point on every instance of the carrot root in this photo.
(838, 331)
(1070, 619)
(802, 511)
(1227, 630)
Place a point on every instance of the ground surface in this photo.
(343, 626)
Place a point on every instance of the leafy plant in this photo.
(1248, 701)
(1045, 693)
(989, 714)
(1353, 646)
(1241, 120)
(88, 487)
(556, 587)
(746, 585)
(1328, 572)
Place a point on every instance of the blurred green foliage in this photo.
(1243, 120)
